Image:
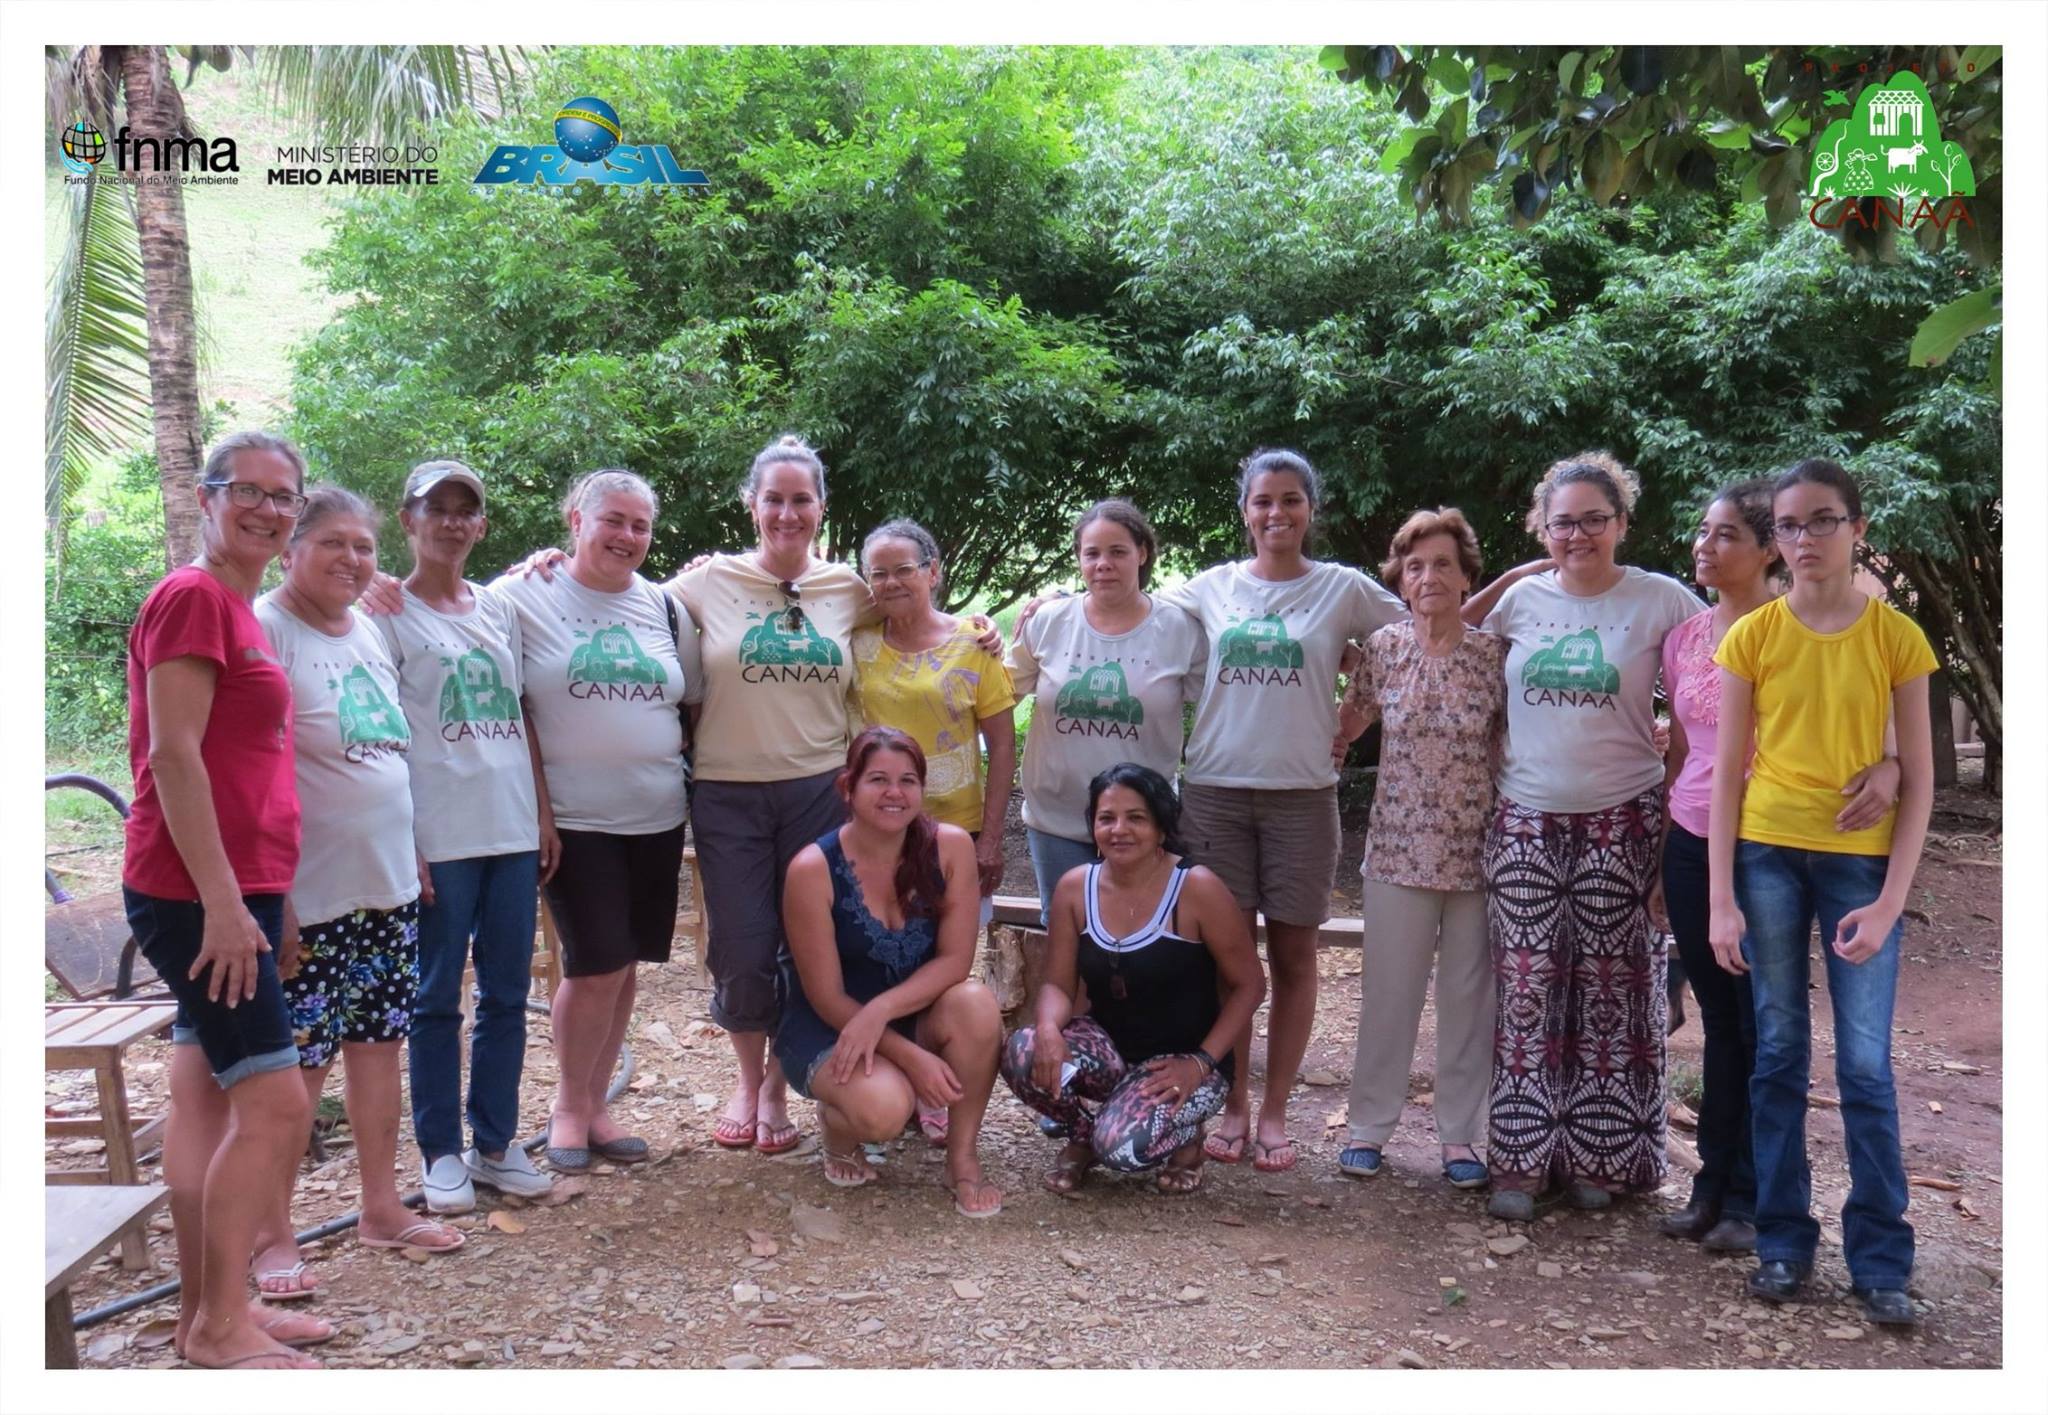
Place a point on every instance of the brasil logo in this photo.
(83, 146)
(587, 148)
(1890, 147)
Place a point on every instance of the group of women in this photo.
(337, 811)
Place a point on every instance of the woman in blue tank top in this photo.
(879, 1013)
(1170, 978)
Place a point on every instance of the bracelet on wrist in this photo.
(1201, 1054)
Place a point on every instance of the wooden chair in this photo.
(78, 1226)
(91, 1036)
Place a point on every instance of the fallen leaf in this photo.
(761, 1245)
(155, 1333)
(821, 1225)
(564, 1190)
(101, 1347)
(1964, 1207)
(1322, 1076)
(965, 1290)
(1336, 1118)
(504, 1222)
(1928, 1181)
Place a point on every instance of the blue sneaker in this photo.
(1360, 1161)
(1465, 1174)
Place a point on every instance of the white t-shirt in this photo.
(350, 742)
(1099, 699)
(1581, 675)
(458, 681)
(603, 682)
(1269, 694)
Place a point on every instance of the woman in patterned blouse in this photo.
(1440, 691)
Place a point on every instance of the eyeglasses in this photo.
(1591, 525)
(248, 495)
(793, 617)
(1819, 527)
(879, 576)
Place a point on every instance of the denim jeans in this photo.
(488, 900)
(1781, 891)
(1726, 1183)
(1051, 857)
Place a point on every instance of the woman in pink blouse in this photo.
(1734, 557)
(1439, 689)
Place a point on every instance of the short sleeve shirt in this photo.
(1442, 720)
(1821, 703)
(1581, 678)
(778, 670)
(352, 741)
(1269, 697)
(604, 683)
(939, 696)
(246, 746)
(1099, 699)
(459, 683)
(1692, 682)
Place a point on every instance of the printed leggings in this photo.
(1128, 1131)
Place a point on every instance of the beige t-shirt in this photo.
(1269, 696)
(777, 670)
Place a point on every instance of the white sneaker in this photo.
(447, 1186)
(513, 1174)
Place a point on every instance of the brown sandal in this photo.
(1068, 1171)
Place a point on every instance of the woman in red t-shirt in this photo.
(212, 845)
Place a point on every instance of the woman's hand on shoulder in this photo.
(386, 595)
(988, 638)
(542, 562)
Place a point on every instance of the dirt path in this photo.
(707, 1257)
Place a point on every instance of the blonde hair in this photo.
(593, 487)
(1603, 470)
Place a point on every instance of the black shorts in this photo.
(614, 899)
(256, 1033)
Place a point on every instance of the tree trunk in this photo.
(1943, 722)
(156, 111)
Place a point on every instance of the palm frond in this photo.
(381, 93)
(96, 347)
(81, 81)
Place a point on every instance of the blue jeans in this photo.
(488, 899)
(1781, 890)
(1051, 857)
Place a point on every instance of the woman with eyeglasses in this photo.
(606, 665)
(1571, 856)
(478, 814)
(1810, 679)
(926, 674)
(775, 628)
(212, 845)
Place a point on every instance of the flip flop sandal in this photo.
(412, 1230)
(733, 1134)
(270, 1329)
(251, 1361)
(935, 1124)
(867, 1175)
(626, 1149)
(299, 1293)
(1177, 1181)
(965, 1212)
(1074, 1172)
(1263, 1157)
(782, 1138)
(1226, 1149)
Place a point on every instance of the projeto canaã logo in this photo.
(587, 149)
(1890, 147)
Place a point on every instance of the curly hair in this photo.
(1603, 470)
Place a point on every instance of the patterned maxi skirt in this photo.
(1578, 1064)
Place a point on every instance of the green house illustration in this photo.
(613, 655)
(1101, 694)
(475, 691)
(1575, 663)
(366, 714)
(775, 641)
(1890, 146)
(1258, 643)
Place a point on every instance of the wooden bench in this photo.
(91, 1036)
(78, 1226)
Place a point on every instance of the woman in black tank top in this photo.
(1170, 977)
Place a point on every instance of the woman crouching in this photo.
(881, 915)
(1171, 977)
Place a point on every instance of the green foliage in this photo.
(115, 557)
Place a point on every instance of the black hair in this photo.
(1120, 512)
(1160, 802)
(1278, 459)
(1822, 471)
(1751, 500)
(1601, 470)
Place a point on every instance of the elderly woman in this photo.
(212, 845)
(1436, 688)
(606, 663)
(1571, 856)
(1108, 672)
(1809, 680)
(880, 1015)
(477, 813)
(351, 955)
(1171, 977)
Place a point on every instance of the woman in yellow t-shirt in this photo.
(1810, 678)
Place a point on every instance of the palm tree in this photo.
(121, 298)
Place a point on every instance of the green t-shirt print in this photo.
(1098, 703)
(610, 664)
(1575, 663)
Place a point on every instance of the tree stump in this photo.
(1013, 963)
